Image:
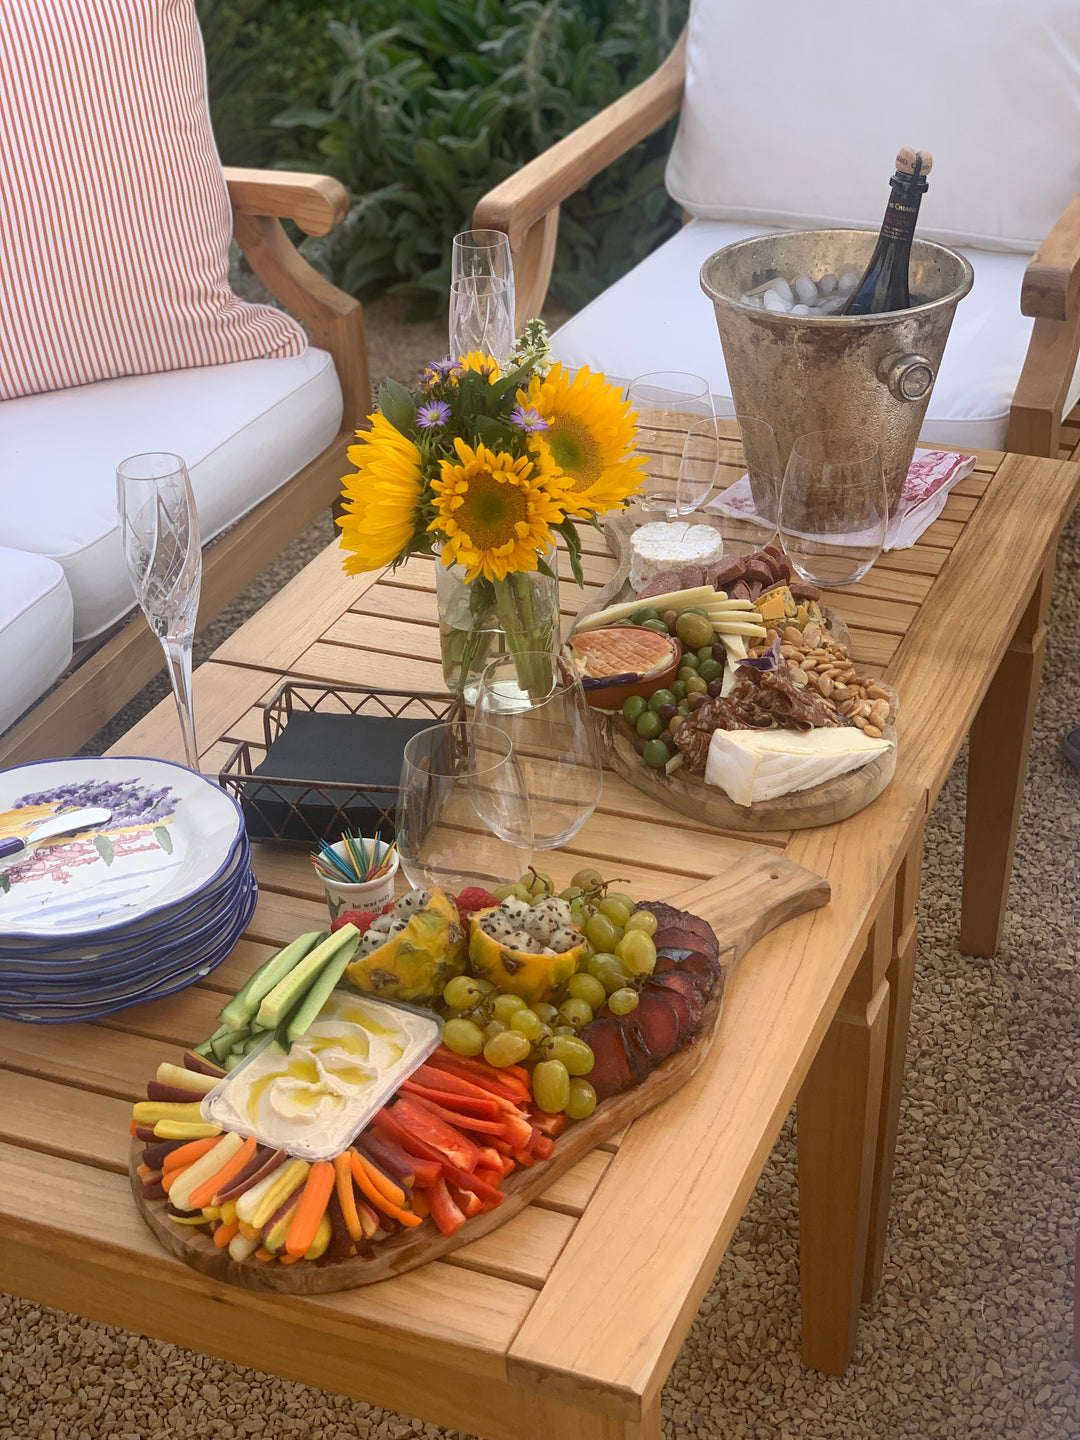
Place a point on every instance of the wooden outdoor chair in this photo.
(763, 135)
(111, 668)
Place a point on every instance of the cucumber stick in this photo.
(285, 994)
(242, 1007)
(309, 1007)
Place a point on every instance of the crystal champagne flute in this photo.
(159, 532)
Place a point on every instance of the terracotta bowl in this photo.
(609, 694)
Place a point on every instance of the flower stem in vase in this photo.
(529, 642)
(476, 641)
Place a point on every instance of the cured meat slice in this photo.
(613, 1070)
(684, 987)
(688, 577)
(687, 1011)
(726, 572)
(668, 915)
(660, 1023)
(702, 970)
(673, 937)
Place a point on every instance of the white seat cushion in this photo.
(792, 117)
(35, 629)
(658, 318)
(243, 429)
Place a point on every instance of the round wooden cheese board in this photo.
(754, 895)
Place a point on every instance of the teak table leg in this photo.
(997, 764)
(837, 1130)
(550, 1418)
(901, 978)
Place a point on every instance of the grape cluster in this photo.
(545, 1037)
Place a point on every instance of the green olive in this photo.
(694, 629)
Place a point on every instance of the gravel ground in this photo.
(969, 1335)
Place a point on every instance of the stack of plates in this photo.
(134, 910)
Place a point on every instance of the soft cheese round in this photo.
(669, 545)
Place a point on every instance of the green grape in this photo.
(705, 653)
(462, 992)
(622, 898)
(565, 1030)
(621, 1002)
(528, 1023)
(602, 931)
(584, 986)
(551, 1086)
(493, 1028)
(678, 689)
(463, 1037)
(545, 1011)
(633, 706)
(610, 971)
(642, 920)
(637, 952)
(572, 892)
(486, 987)
(505, 1006)
(587, 879)
(503, 892)
(574, 1054)
(582, 1101)
(689, 662)
(617, 908)
(647, 612)
(663, 696)
(542, 886)
(697, 686)
(576, 1012)
(649, 725)
(710, 670)
(507, 1049)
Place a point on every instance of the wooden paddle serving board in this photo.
(688, 794)
(757, 893)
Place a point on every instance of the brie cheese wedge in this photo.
(751, 765)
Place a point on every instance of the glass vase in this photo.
(483, 620)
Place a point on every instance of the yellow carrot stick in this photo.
(232, 1167)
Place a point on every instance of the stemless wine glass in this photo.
(159, 531)
(554, 739)
(833, 508)
(463, 814)
(667, 403)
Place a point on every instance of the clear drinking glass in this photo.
(481, 317)
(159, 532)
(667, 403)
(833, 508)
(553, 736)
(463, 813)
(482, 252)
(747, 522)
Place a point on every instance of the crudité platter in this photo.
(379, 1095)
(728, 691)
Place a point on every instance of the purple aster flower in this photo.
(433, 414)
(526, 418)
(437, 370)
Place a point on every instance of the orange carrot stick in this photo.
(263, 1254)
(225, 1232)
(347, 1195)
(187, 1154)
(392, 1191)
(204, 1194)
(312, 1207)
(375, 1195)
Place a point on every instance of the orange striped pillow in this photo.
(114, 216)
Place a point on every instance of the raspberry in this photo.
(360, 918)
(475, 897)
(388, 907)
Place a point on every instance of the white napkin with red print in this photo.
(932, 474)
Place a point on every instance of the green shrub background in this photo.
(421, 106)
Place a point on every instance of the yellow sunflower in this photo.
(494, 511)
(589, 437)
(382, 498)
(478, 361)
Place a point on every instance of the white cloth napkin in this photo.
(932, 474)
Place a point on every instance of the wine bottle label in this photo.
(899, 222)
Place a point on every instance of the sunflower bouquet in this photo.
(485, 468)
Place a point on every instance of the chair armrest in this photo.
(1052, 279)
(315, 202)
(527, 196)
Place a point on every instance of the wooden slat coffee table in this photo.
(564, 1323)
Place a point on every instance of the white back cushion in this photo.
(35, 629)
(793, 115)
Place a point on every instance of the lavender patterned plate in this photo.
(171, 835)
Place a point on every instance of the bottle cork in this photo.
(914, 162)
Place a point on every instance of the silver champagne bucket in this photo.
(872, 373)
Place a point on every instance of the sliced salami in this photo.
(685, 987)
(689, 577)
(612, 1071)
(660, 1024)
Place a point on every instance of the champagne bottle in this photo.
(884, 284)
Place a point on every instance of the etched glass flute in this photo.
(159, 532)
(481, 317)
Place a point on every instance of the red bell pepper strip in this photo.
(477, 1105)
(446, 1214)
(461, 1122)
(547, 1123)
(453, 1084)
(466, 1180)
(468, 1203)
(425, 1160)
(500, 1082)
(543, 1147)
(446, 1139)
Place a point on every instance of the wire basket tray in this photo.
(304, 809)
